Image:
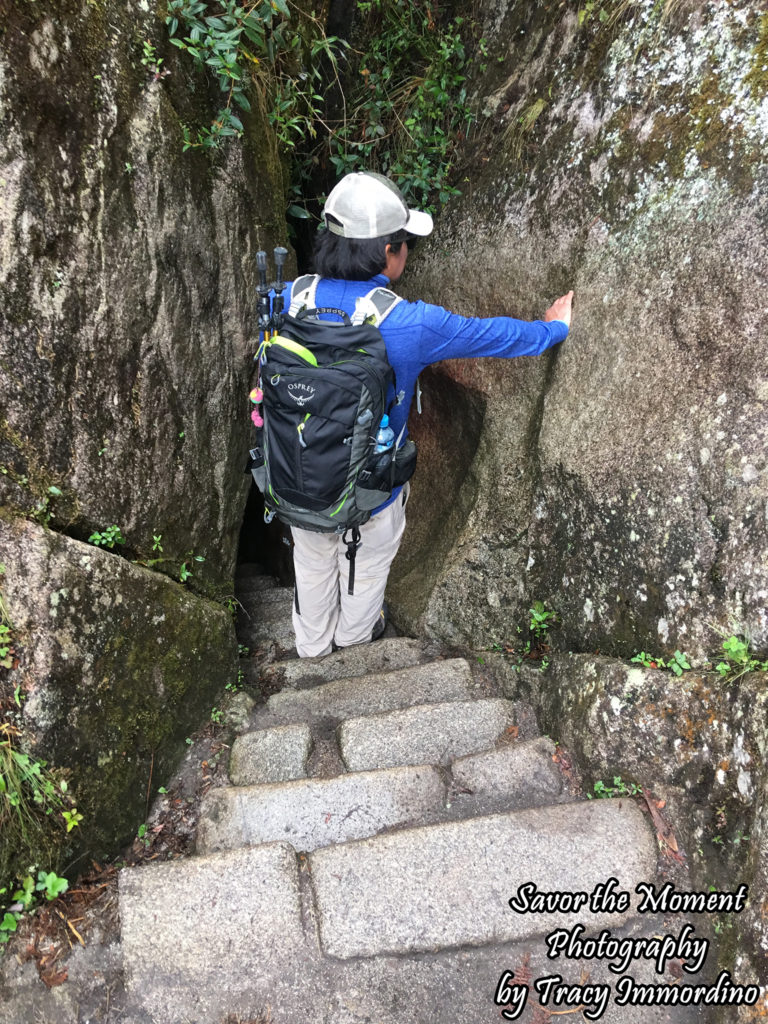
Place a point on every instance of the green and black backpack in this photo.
(325, 385)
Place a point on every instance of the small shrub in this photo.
(107, 538)
(619, 788)
(678, 663)
(36, 812)
(738, 659)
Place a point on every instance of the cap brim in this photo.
(419, 223)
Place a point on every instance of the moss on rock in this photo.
(117, 666)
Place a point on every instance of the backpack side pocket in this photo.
(405, 463)
(258, 468)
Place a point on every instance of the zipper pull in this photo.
(300, 429)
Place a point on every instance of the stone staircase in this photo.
(359, 866)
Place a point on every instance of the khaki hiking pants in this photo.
(323, 611)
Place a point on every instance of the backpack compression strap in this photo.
(375, 307)
(352, 546)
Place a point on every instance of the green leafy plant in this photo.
(151, 60)
(402, 110)
(254, 42)
(51, 884)
(216, 715)
(6, 656)
(678, 663)
(24, 899)
(6, 632)
(407, 107)
(738, 659)
(591, 9)
(27, 788)
(142, 836)
(107, 538)
(72, 818)
(34, 807)
(541, 620)
(185, 572)
(602, 790)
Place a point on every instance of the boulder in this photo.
(698, 745)
(620, 477)
(127, 327)
(114, 666)
(127, 284)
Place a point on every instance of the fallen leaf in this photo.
(664, 832)
(53, 978)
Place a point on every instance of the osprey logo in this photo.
(301, 393)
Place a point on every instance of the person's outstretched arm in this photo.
(445, 335)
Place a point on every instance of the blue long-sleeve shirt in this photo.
(418, 334)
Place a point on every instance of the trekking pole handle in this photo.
(280, 257)
(264, 310)
(261, 266)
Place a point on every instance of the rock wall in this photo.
(127, 316)
(127, 284)
(116, 666)
(700, 748)
(621, 477)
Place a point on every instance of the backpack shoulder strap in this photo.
(375, 307)
(303, 293)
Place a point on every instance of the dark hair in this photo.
(353, 259)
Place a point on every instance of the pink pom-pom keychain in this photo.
(256, 396)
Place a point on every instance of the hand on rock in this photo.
(560, 309)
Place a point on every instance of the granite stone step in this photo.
(514, 776)
(271, 627)
(275, 605)
(427, 734)
(185, 922)
(270, 975)
(448, 885)
(310, 813)
(382, 656)
(270, 755)
(433, 683)
(256, 592)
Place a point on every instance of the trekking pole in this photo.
(265, 316)
(279, 286)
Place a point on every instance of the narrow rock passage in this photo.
(383, 807)
(360, 865)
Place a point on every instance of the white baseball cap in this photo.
(368, 205)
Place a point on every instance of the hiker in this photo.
(367, 235)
